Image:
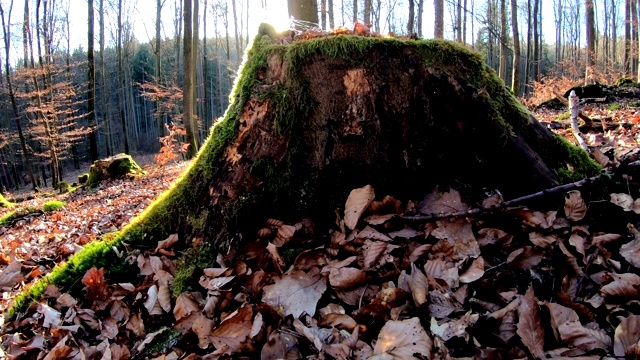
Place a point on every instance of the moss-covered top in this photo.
(4, 203)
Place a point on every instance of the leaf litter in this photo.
(519, 283)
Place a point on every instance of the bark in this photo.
(121, 80)
(502, 70)
(438, 23)
(412, 15)
(627, 36)
(515, 78)
(6, 32)
(332, 23)
(160, 118)
(303, 10)
(355, 10)
(459, 21)
(188, 89)
(536, 65)
(367, 11)
(106, 119)
(591, 44)
(91, 91)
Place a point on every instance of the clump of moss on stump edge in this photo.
(4, 203)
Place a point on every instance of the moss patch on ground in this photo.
(578, 164)
(4, 203)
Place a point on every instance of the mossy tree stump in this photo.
(311, 120)
(113, 167)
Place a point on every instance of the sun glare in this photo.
(278, 19)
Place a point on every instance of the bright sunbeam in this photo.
(278, 18)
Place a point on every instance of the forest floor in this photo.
(561, 280)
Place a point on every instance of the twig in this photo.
(502, 205)
(573, 106)
(581, 115)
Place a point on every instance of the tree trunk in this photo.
(91, 91)
(332, 23)
(367, 12)
(515, 78)
(303, 10)
(412, 15)
(160, 118)
(502, 70)
(535, 64)
(438, 23)
(591, 38)
(121, 81)
(188, 89)
(6, 32)
(355, 10)
(106, 119)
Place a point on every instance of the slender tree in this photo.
(121, 79)
(156, 50)
(438, 23)
(515, 78)
(91, 91)
(188, 88)
(590, 35)
(6, 32)
(502, 70)
(304, 10)
(412, 15)
(367, 11)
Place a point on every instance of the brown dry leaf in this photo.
(202, 328)
(66, 300)
(454, 328)
(164, 279)
(442, 303)
(457, 240)
(623, 286)
(215, 283)
(119, 352)
(51, 315)
(526, 257)
(275, 256)
(574, 334)
(280, 345)
(625, 201)
(284, 234)
(346, 277)
(418, 284)
(626, 335)
(372, 234)
(560, 315)
(541, 240)
(537, 219)
(579, 242)
(376, 254)
(167, 243)
(601, 239)
(575, 208)
(631, 252)
(400, 340)
(418, 252)
(442, 203)
(95, 284)
(295, 293)
(60, 351)
(340, 321)
(530, 329)
(185, 305)
(357, 203)
(474, 272)
(571, 259)
(318, 336)
(234, 331)
(491, 236)
(11, 275)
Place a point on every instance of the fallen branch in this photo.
(573, 107)
(503, 205)
(581, 115)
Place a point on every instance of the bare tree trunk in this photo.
(91, 91)
(159, 118)
(515, 78)
(205, 72)
(419, 17)
(355, 10)
(459, 21)
(323, 14)
(237, 33)
(332, 23)
(634, 36)
(438, 23)
(121, 80)
(614, 35)
(103, 85)
(6, 32)
(367, 11)
(464, 22)
(590, 35)
(188, 89)
(502, 70)
(536, 65)
(195, 38)
(627, 36)
(74, 147)
(412, 15)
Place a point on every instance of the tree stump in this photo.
(311, 120)
(113, 167)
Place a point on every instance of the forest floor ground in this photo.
(557, 281)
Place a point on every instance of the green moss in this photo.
(7, 218)
(625, 81)
(635, 104)
(83, 179)
(162, 343)
(4, 203)
(53, 205)
(564, 116)
(575, 164)
(614, 107)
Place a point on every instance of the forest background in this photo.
(72, 93)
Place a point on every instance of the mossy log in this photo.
(113, 167)
(311, 120)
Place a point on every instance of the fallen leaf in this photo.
(357, 202)
(418, 285)
(530, 329)
(626, 335)
(295, 293)
(402, 339)
(11, 275)
(575, 208)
